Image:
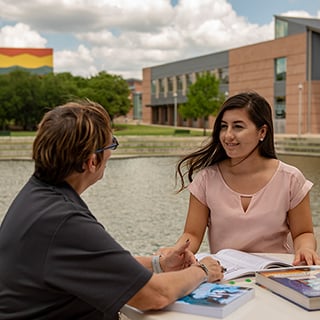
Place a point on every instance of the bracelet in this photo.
(156, 264)
(204, 268)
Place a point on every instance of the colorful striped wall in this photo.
(38, 61)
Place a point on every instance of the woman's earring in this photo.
(261, 139)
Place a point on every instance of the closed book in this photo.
(300, 285)
(213, 300)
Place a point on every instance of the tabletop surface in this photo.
(264, 306)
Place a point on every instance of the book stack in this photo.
(300, 285)
(213, 300)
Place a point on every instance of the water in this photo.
(136, 199)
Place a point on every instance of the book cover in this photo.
(300, 285)
(213, 300)
(240, 264)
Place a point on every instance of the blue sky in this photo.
(260, 11)
(124, 36)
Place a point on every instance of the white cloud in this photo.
(80, 60)
(300, 14)
(21, 35)
(124, 36)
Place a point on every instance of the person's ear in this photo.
(263, 132)
(91, 163)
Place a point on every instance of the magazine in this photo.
(300, 285)
(213, 300)
(240, 264)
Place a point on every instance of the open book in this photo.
(241, 264)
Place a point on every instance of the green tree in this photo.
(203, 99)
(25, 97)
(111, 91)
(21, 98)
(5, 96)
(57, 89)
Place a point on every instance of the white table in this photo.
(264, 306)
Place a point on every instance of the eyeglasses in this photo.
(113, 145)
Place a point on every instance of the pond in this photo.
(136, 199)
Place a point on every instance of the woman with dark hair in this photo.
(241, 193)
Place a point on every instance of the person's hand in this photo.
(306, 256)
(176, 257)
(215, 270)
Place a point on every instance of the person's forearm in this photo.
(305, 240)
(145, 261)
(160, 291)
(194, 241)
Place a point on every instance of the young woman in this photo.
(241, 193)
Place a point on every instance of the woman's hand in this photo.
(306, 256)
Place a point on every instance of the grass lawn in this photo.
(22, 133)
(145, 130)
(138, 130)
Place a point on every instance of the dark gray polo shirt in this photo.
(58, 262)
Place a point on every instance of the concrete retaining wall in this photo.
(20, 148)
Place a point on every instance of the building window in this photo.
(170, 84)
(161, 85)
(165, 115)
(280, 108)
(223, 75)
(189, 80)
(281, 29)
(280, 69)
(153, 87)
(198, 75)
(180, 83)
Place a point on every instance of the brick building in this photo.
(286, 71)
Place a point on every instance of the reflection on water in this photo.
(136, 201)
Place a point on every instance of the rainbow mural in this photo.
(37, 61)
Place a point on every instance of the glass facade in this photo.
(137, 105)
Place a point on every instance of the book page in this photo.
(239, 263)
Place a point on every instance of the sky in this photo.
(124, 36)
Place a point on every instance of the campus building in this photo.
(34, 60)
(286, 71)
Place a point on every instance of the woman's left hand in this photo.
(306, 256)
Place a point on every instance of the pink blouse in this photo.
(263, 227)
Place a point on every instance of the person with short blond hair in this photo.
(57, 261)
